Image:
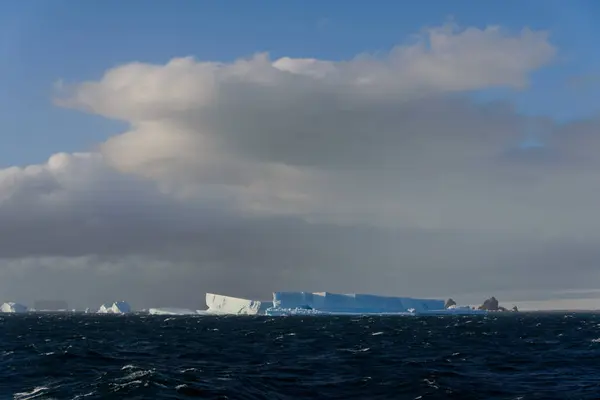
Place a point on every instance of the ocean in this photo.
(500, 356)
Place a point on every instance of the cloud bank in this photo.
(378, 173)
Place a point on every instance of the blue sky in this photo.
(42, 41)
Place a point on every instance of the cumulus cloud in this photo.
(271, 132)
(376, 173)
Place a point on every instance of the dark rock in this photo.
(515, 309)
(450, 303)
(490, 304)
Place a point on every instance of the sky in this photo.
(154, 151)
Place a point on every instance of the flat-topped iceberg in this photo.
(118, 307)
(354, 303)
(174, 311)
(326, 303)
(219, 304)
(11, 307)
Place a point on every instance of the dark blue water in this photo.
(523, 356)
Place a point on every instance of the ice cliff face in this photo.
(118, 307)
(13, 308)
(354, 303)
(219, 304)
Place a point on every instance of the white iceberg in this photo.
(118, 307)
(11, 307)
(219, 304)
(172, 311)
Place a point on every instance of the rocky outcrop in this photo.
(515, 309)
(490, 304)
(449, 303)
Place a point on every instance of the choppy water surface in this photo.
(524, 356)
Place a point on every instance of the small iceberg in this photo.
(11, 307)
(118, 307)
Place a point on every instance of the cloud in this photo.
(376, 173)
(439, 60)
(272, 132)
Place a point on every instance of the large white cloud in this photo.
(276, 134)
(262, 174)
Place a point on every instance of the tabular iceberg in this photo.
(219, 304)
(354, 303)
(326, 303)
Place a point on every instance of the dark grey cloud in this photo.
(255, 258)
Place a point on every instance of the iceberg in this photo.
(173, 311)
(219, 304)
(326, 303)
(354, 303)
(118, 307)
(11, 307)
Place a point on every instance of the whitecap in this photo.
(355, 351)
(36, 392)
(81, 396)
(136, 375)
